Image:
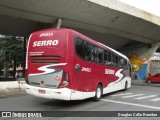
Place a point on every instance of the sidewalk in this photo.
(15, 87)
(143, 83)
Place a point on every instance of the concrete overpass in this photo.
(120, 26)
(109, 21)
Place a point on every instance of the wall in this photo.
(140, 66)
(12, 85)
(155, 64)
(139, 57)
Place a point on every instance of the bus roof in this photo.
(115, 51)
(88, 38)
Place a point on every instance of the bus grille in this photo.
(44, 59)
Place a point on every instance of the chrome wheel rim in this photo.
(98, 92)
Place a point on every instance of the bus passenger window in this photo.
(87, 51)
(109, 59)
(113, 59)
(95, 54)
(117, 59)
(125, 64)
(79, 47)
(120, 62)
(100, 55)
(105, 57)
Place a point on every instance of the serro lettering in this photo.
(109, 71)
(45, 43)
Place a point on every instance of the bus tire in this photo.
(98, 93)
(126, 85)
(149, 81)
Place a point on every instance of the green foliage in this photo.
(11, 48)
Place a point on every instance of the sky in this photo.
(151, 6)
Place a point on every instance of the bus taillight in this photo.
(65, 80)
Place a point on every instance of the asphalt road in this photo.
(137, 98)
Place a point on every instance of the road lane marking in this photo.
(132, 104)
(129, 96)
(156, 99)
(122, 94)
(149, 96)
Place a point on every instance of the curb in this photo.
(147, 84)
(5, 86)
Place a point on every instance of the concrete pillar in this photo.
(149, 51)
(59, 23)
(139, 57)
(142, 51)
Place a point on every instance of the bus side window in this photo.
(121, 62)
(87, 51)
(105, 57)
(125, 64)
(113, 59)
(100, 55)
(95, 54)
(109, 59)
(117, 60)
(83, 49)
(79, 47)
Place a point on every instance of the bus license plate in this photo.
(42, 91)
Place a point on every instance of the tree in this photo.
(11, 52)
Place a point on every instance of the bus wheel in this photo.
(149, 81)
(126, 85)
(98, 94)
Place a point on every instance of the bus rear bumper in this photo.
(60, 94)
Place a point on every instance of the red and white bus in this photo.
(66, 65)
